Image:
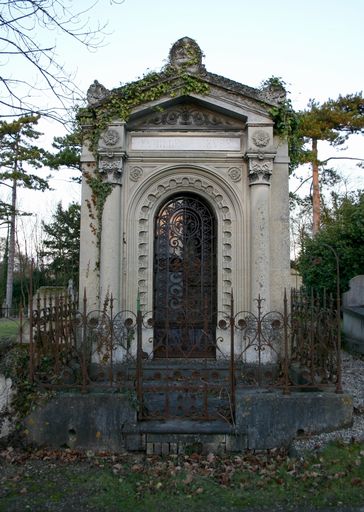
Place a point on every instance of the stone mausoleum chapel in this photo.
(184, 339)
(184, 203)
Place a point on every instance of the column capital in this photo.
(260, 168)
(111, 166)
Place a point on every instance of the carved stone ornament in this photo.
(96, 93)
(187, 55)
(188, 116)
(275, 93)
(111, 137)
(136, 173)
(260, 171)
(112, 169)
(260, 138)
(235, 173)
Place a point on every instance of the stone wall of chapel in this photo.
(240, 170)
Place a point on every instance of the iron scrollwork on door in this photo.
(185, 279)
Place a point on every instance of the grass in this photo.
(9, 328)
(332, 478)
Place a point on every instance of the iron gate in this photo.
(185, 279)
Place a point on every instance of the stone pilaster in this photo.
(88, 278)
(112, 155)
(260, 157)
(110, 248)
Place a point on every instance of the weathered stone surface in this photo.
(264, 420)
(95, 422)
(271, 419)
(353, 313)
(355, 295)
(6, 394)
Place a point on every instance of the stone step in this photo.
(183, 436)
(190, 371)
(181, 399)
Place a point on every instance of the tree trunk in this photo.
(11, 253)
(315, 190)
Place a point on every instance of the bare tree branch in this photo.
(24, 26)
(323, 162)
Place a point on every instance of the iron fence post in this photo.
(286, 390)
(338, 320)
(232, 355)
(84, 343)
(111, 344)
(139, 367)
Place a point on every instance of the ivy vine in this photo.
(100, 190)
(286, 121)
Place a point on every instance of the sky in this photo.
(315, 46)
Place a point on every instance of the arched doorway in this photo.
(185, 278)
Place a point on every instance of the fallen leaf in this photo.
(137, 468)
(188, 479)
(210, 457)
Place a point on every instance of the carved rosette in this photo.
(111, 137)
(235, 173)
(260, 138)
(136, 173)
(260, 170)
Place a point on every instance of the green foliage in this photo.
(120, 102)
(14, 364)
(18, 152)
(67, 154)
(100, 192)
(333, 121)
(286, 120)
(62, 244)
(343, 230)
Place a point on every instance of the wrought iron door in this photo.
(185, 279)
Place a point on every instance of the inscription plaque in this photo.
(186, 143)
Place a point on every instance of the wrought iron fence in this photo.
(296, 348)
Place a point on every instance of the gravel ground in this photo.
(353, 384)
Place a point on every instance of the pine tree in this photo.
(18, 153)
(333, 121)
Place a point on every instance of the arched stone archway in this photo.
(231, 231)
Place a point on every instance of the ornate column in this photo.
(260, 156)
(111, 163)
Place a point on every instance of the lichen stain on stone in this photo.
(347, 400)
(98, 435)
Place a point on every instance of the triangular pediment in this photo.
(186, 116)
(183, 96)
